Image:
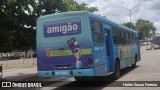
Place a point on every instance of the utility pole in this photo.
(130, 12)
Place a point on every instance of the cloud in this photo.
(145, 0)
(157, 24)
(155, 5)
(112, 9)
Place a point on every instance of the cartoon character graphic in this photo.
(74, 46)
(48, 52)
(124, 51)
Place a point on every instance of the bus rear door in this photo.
(98, 48)
(108, 48)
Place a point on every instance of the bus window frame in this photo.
(124, 38)
(93, 32)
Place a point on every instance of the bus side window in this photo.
(123, 37)
(126, 33)
(125, 40)
(129, 42)
(92, 25)
(130, 35)
(97, 32)
(134, 38)
(116, 34)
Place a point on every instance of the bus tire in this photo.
(135, 62)
(117, 70)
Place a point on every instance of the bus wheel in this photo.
(117, 70)
(135, 62)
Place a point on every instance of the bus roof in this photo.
(105, 20)
(62, 14)
(111, 22)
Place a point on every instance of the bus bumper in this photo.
(66, 73)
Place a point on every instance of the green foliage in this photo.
(18, 20)
(74, 6)
(145, 28)
(128, 24)
(13, 33)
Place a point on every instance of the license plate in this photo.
(61, 73)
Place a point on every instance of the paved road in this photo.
(148, 69)
(19, 74)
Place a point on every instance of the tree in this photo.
(145, 28)
(17, 27)
(128, 24)
(18, 20)
(74, 6)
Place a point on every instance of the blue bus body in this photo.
(81, 44)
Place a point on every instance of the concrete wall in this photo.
(19, 63)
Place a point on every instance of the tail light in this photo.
(90, 61)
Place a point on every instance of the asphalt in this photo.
(30, 74)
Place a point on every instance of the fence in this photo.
(19, 63)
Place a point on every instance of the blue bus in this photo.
(81, 44)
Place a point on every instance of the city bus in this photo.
(81, 44)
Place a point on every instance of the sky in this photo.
(118, 10)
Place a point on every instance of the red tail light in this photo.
(90, 60)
